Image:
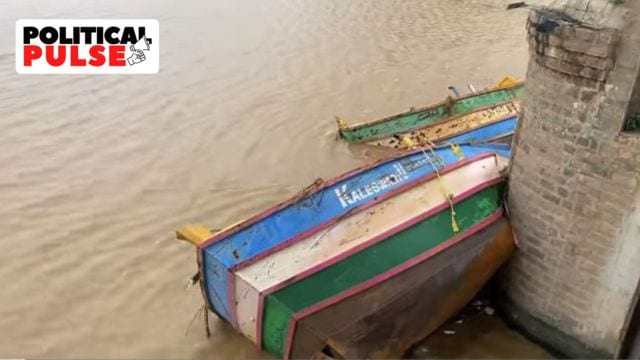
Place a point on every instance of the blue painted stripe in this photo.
(309, 212)
(500, 149)
(212, 268)
(484, 133)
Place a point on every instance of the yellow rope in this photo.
(456, 150)
(342, 123)
(447, 194)
(408, 143)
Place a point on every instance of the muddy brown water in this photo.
(96, 172)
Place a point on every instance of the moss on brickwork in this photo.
(632, 123)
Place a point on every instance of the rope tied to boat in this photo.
(456, 150)
(449, 102)
(342, 123)
(439, 163)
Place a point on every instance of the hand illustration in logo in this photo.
(136, 57)
(138, 51)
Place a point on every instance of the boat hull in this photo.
(417, 236)
(475, 127)
(351, 235)
(415, 119)
(386, 319)
(312, 210)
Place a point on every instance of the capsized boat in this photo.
(385, 317)
(263, 273)
(368, 132)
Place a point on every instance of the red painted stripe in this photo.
(252, 220)
(444, 205)
(290, 334)
(359, 208)
(384, 235)
(327, 224)
(385, 276)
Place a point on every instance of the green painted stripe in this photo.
(421, 118)
(280, 306)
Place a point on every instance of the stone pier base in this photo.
(574, 196)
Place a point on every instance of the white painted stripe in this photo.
(348, 233)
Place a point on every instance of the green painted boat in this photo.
(386, 319)
(419, 118)
(434, 229)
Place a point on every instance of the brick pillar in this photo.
(574, 196)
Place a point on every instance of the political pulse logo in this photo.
(92, 46)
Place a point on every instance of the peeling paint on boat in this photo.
(473, 123)
(348, 235)
(418, 118)
(312, 210)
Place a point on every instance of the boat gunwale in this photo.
(366, 123)
(303, 235)
(504, 118)
(317, 188)
(396, 270)
(445, 120)
(370, 242)
(499, 137)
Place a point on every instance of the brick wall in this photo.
(574, 189)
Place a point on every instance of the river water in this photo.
(96, 172)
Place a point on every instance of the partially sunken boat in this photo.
(452, 117)
(493, 124)
(424, 226)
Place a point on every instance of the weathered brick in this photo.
(547, 184)
(588, 47)
(577, 58)
(626, 180)
(582, 5)
(589, 142)
(551, 198)
(563, 192)
(568, 205)
(576, 178)
(572, 68)
(568, 172)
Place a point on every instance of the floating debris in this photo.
(489, 310)
(449, 332)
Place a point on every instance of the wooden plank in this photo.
(329, 246)
(309, 342)
(417, 236)
(247, 299)
(385, 320)
(414, 119)
(452, 127)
